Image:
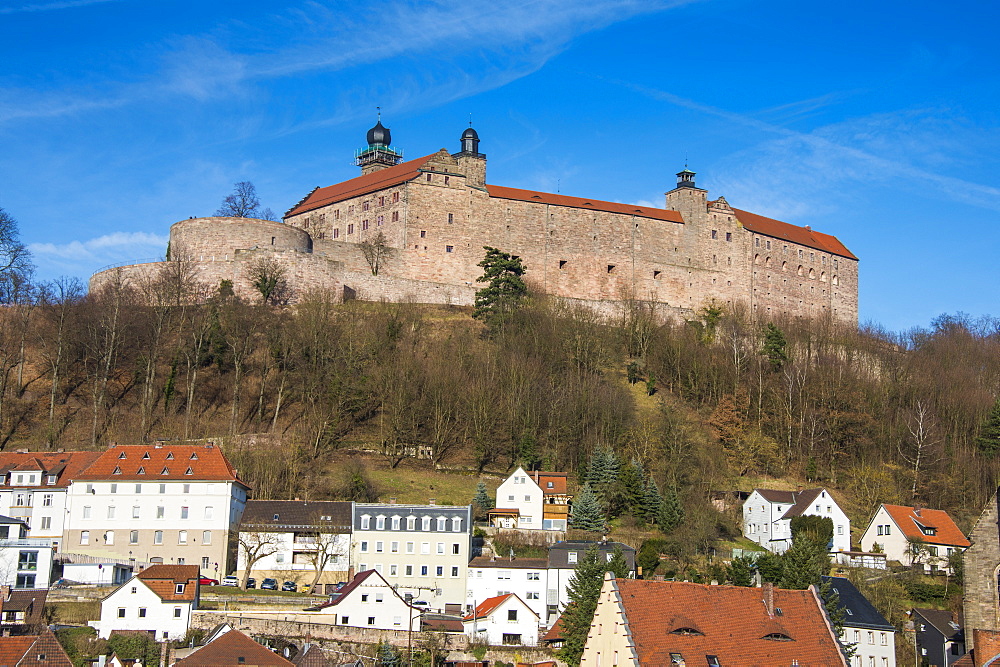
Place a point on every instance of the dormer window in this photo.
(145, 456)
(189, 471)
(777, 637)
(116, 471)
(51, 479)
(194, 456)
(122, 456)
(179, 589)
(365, 522)
(550, 485)
(141, 471)
(170, 456)
(165, 471)
(687, 631)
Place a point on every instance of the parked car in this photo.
(421, 604)
(230, 580)
(251, 583)
(269, 584)
(290, 586)
(206, 581)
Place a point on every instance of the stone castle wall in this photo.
(981, 606)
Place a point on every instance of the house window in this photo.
(379, 220)
(350, 228)
(135, 511)
(439, 571)
(456, 549)
(425, 523)
(512, 614)
(109, 537)
(209, 513)
(571, 557)
(440, 548)
(715, 234)
(138, 487)
(47, 500)
(409, 571)
(365, 520)
(395, 216)
(423, 570)
(364, 206)
(409, 547)
(380, 523)
(454, 571)
(160, 512)
(121, 612)
(163, 488)
(27, 560)
(371, 620)
(158, 537)
(379, 547)
(179, 589)
(336, 232)
(46, 522)
(182, 537)
(411, 523)
(364, 546)
(441, 523)
(394, 547)
(133, 537)
(184, 512)
(393, 570)
(25, 581)
(425, 548)
(451, 218)
(206, 537)
(111, 511)
(611, 268)
(84, 537)
(364, 225)
(177, 612)
(428, 178)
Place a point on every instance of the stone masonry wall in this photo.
(981, 605)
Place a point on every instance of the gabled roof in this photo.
(362, 185)
(793, 233)
(732, 624)
(911, 522)
(798, 501)
(287, 515)
(163, 580)
(311, 656)
(31, 601)
(355, 583)
(41, 650)
(944, 621)
(65, 465)
(556, 479)
(503, 192)
(164, 462)
(233, 649)
(858, 611)
(555, 633)
(490, 605)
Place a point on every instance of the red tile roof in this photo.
(503, 192)
(731, 622)
(557, 479)
(233, 649)
(161, 462)
(801, 235)
(65, 465)
(487, 607)
(555, 633)
(163, 580)
(362, 185)
(909, 522)
(41, 650)
(12, 649)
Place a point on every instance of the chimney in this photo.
(432, 501)
(916, 509)
(768, 590)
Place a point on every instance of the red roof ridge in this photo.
(487, 607)
(761, 224)
(948, 533)
(517, 194)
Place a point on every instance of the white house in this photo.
(495, 577)
(914, 536)
(504, 619)
(368, 601)
(532, 501)
(159, 599)
(291, 537)
(563, 559)
(25, 562)
(163, 503)
(33, 488)
(768, 514)
(872, 638)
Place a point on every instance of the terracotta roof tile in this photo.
(948, 534)
(733, 622)
(556, 479)
(555, 633)
(42, 650)
(233, 649)
(65, 465)
(161, 462)
(801, 235)
(503, 192)
(163, 580)
(12, 649)
(487, 607)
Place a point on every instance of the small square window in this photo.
(611, 268)
(423, 233)
(449, 248)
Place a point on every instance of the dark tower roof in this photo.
(470, 134)
(379, 135)
(685, 178)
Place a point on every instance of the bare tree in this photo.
(15, 259)
(327, 548)
(243, 203)
(255, 546)
(376, 251)
(268, 277)
(919, 452)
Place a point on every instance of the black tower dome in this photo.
(470, 134)
(379, 135)
(470, 142)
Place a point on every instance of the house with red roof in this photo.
(502, 620)
(914, 536)
(233, 649)
(768, 514)
(41, 650)
(533, 500)
(158, 600)
(163, 503)
(642, 622)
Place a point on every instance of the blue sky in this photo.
(876, 122)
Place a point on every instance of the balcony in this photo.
(36, 542)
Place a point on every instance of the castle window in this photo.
(350, 228)
(800, 253)
(380, 220)
(395, 216)
(836, 280)
(447, 179)
(272, 240)
(784, 266)
(451, 218)
(336, 214)
(715, 233)
(395, 197)
(364, 206)
(756, 259)
(364, 225)
(449, 248)
(423, 233)
(799, 270)
(812, 274)
(812, 257)
(768, 244)
(729, 261)
(784, 250)
(767, 262)
(336, 232)
(562, 263)
(756, 243)
(381, 201)
(611, 268)
(714, 260)
(656, 275)
(823, 260)
(428, 178)
(822, 277)
(729, 236)
(835, 263)
(350, 209)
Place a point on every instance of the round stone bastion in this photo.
(217, 239)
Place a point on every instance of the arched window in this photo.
(767, 262)
(812, 274)
(822, 276)
(836, 280)
(756, 259)
(799, 271)
(784, 266)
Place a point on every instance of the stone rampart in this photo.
(217, 239)
(981, 604)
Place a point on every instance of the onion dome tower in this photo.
(379, 153)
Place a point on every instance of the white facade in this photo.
(135, 606)
(369, 601)
(101, 574)
(287, 557)
(525, 578)
(767, 517)
(871, 647)
(519, 492)
(886, 532)
(25, 562)
(498, 622)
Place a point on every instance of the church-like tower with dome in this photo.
(432, 216)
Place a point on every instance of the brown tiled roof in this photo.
(65, 465)
(161, 462)
(362, 185)
(312, 656)
(555, 633)
(297, 514)
(41, 650)
(558, 480)
(503, 192)
(508, 564)
(30, 601)
(909, 522)
(163, 580)
(12, 649)
(793, 233)
(732, 624)
(487, 607)
(233, 649)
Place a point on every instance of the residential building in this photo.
(25, 562)
(106, 573)
(41, 650)
(865, 630)
(563, 558)
(532, 501)
(295, 536)
(940, 636)
(525, 577)
(641, 622)
(369, 601)
(159, 600)
(423, 550)
(21, 611)
(504, 619)
(768, 514)
(33, 487)
(163, 503)
(914, 536)
(233, 649)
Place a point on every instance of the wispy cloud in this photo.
(51, 6)
(85, 257)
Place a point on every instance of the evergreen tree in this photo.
(651, 501)
(584, 589)
(774, 347)
(648, 556)
(804, 564)
(618, 565)
(586, 512)
(626, 494)
(527, 452)
(671, 512)
(597, 470)
(505, 288)
(482, 498)
(770, 566)
(989, 433)
(386, 655)
(741, 571)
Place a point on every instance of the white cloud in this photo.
(81, 258)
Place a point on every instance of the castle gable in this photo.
(758, 224)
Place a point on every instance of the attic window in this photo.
(145, 456)
(165, 471)
(777, 637)
(189, 472)
(117, 471)
(194, 456)
(275, 517)
(676, 659)
(170, 456)
(122, 455)
(179, 589)
(929, 530)
(687, 632)
(241, 659)
(713, 661)
(141, 471)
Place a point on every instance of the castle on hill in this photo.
(435, 214)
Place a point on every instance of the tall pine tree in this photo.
(586, 512)
(989, 433)
(482, 498)
(671, 512)
(651, 501)
(584, 590)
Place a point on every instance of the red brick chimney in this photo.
(768, 590)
